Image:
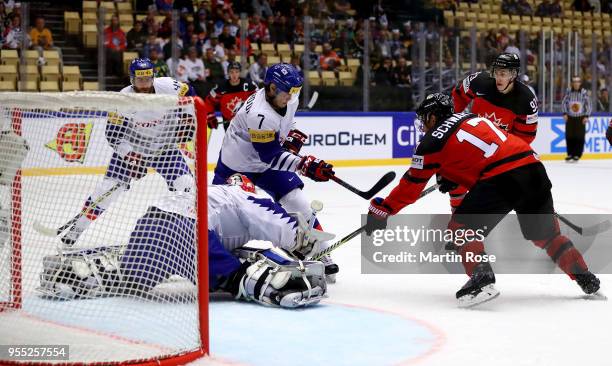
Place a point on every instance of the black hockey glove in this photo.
(445, 185)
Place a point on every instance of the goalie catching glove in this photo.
(270, 276)
(315, 169)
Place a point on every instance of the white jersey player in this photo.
(162, 245)
(141, 140)
(263, 144)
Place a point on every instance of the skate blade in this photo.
(487, 293)
(597, 296)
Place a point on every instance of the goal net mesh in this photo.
(98, 234)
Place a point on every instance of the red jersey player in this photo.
(609, 132)
(502, 173)
(502, 99)
(228, 97)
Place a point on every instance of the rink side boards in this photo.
(347, 139)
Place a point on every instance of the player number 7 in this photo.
(488, 149)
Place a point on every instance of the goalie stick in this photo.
(586, 231)
(47, 231)
(355, 233)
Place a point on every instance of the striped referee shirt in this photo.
(577, 103)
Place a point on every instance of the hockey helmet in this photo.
(438, 104)
(234, 65)
(285, 77)
(510, 61)
(241, 181)
(141, 67)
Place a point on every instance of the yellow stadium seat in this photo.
(90, 18)
(141, 17)
(9, 57)
(28, 85)
(273, 60)
(108, 6)
(52, 57)
(298, 49)
(50, 73)
(346, 78)
(49, 86)
(90, 85)
(71, 86)
(71, 73)
(319, 49)
(8, 85)
(329, 78)
(72, 22)
(126, 20)
(124, 7)
(314, 78)
(284, 50)
(30, 72)
(90, 35)
(268, 48)
(90, 6)
(8, 73)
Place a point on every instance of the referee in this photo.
(576, 111)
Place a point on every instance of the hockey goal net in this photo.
(131, 286)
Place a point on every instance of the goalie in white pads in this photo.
(162, 245)
(262, 142)
(141, 140)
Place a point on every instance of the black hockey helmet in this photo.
(506, 60)
(234, 65)
(438, 104)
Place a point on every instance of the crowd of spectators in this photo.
(209, 37)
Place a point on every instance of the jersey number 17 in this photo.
(487, 148)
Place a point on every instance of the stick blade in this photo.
(382, 183)
(44, 230)
(597, 229)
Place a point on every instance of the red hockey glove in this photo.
(294, 141)
(211, 121)
(315, 169)
(377, 216)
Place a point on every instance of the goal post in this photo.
(132, 285)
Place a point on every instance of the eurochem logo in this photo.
(71, 141)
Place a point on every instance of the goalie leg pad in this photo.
(275, 278)
(86, 273)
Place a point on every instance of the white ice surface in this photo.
(537, 320)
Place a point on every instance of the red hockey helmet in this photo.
(242, 181)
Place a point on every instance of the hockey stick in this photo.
(382, 183)
(586, 231)
(311, 102)
(350, 236)
(47, 231)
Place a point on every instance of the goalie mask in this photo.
(241, 181)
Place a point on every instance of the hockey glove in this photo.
(211, 121)
(294, 141)
(445, 185)
(315, 169)
(378, 213)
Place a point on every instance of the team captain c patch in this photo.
(261, 136)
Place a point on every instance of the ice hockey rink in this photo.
(537, 319)
(378, 319)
